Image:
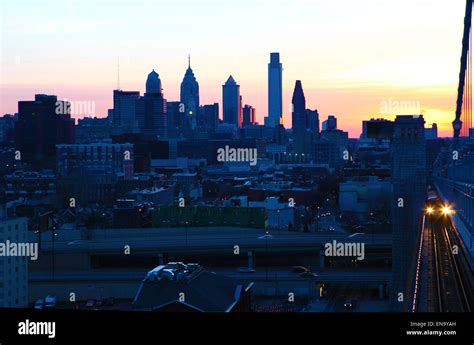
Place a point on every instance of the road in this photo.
(209, 240)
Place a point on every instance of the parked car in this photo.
(349, 303)
(299, 269)
(90, 303)
(50, 301)
(39, 304)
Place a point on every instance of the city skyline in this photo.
(388, 65)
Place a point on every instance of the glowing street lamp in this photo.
(429, 210)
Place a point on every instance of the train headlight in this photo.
(429, 210)
(446, 210)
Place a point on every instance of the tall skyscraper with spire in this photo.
(231, 103)
(189, 95)
(275, 98)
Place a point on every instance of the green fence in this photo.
(206, 216)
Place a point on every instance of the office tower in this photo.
(312, 118)
(275, 98)
(123, 119)
(189, 95)
(208, 116)
(231, 103)
(330, 124)
(299, 124)
(248, 113)
(41, 125)
(14, 269)
(153, 83)
(409, 190)
(150, 110)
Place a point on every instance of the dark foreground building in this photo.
(42, 124)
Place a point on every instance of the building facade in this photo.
(232, 103)
(13, 269)
(275, 93)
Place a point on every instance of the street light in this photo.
(429, 210)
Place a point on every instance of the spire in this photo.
(118, 72)
(189, 60)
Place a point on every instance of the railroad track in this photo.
(451, 293)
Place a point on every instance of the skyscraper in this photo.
(409, 190)
(313, 122)
(248, 114)
(208, 116)
(298, 116)
(150, 110)
(275, 98)
(231, 103)
(189, 94)
(41, 125)
(123, 119)
(153, 83)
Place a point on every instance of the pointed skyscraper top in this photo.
(230, 81)
(298, 99)
(189, 60)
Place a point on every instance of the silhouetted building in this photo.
(299, 123)
(330, 123)
(275, 98)
(150, 110)
(153, 83)
(92, 130)
(189, 94)
(377, 129)
(432, 132)
(42, 124)
(208, 116)
(312, 117)
(409, 191)
(7, 127)
(231, 103)
(248, 115)
(123, 113)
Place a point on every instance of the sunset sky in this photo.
(353, 57)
